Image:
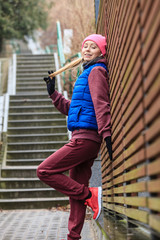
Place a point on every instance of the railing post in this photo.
(58, 76)
(11, 89)
(60, 45)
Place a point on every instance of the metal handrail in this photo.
(62, 57)
(60, 45)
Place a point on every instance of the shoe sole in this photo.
(99, 201)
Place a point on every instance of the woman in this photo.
(89, 120)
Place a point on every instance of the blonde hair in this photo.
(70, 65)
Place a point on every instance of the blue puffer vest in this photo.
(81, 112)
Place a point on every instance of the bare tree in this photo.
(78, 15)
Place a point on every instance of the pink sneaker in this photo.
(95, 201)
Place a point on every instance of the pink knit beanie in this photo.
(99, 40)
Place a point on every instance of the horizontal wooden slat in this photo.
(131, 106)
(117, 141)
(152, 112)
(147, 21)
(116, 131)
(153, 186)
(153, 149)
(128, 30)
(118, 209)
(153, 131)
(130, 120)
(132, 63)
(118, 160)
(107, 184)
(130, 188)
(136, 129)
(137, 214)
(138, 157)
(130, 212)
(151, 56)
(150, 37)
(154, 204)
(106, 163)
(108, 177)
(135, 174)
(118, 150)
(152, 75)
(154, 222)
(115, 110)
(133, 147)
(125, 8)
(117, 180)
(119, 170)
(133, 88)
(114, 84)
(114, 57)
(132, 201)
(145, 9)
(106, 171)
(154, 168)
(152, 93)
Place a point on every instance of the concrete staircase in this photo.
(35, 130)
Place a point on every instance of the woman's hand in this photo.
(50, 83)
(109, 146)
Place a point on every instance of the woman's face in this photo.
(90, 51)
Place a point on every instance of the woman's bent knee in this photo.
(41, 173)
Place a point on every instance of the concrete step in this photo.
(16, 146)
(35, 115)
(34, 108)
(24, 162)
(35, 69)
(41, 88)
(30, 102)
(39, 74)
(34, 122)
(31, 83)
(30, 80)
(33, 203)
(34, 60)
(34, 57)
(22, 96)
(37, 137)
(23, 183)
(29, 193)
(37, 130)
(30, 154)
(42, 62)
(30, 57)
(31, 92)
(19, 172)
(36, 65)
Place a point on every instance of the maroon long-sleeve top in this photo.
(99, 90)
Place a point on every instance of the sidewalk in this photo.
(38, 225)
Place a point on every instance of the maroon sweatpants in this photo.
(77, 156)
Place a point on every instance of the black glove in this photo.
(109, 146)
(50, 83)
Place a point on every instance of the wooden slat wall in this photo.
(131, 183)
